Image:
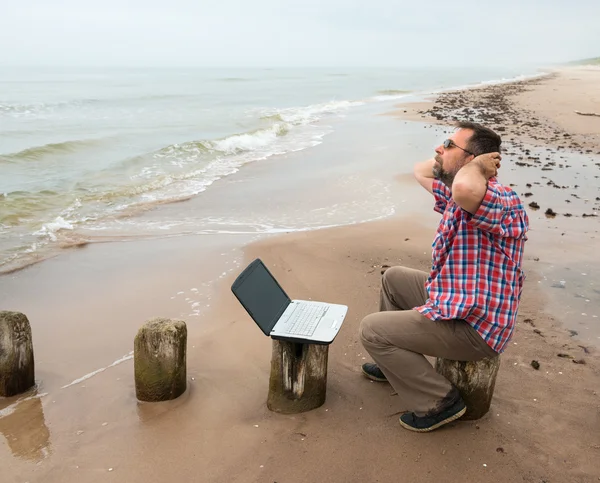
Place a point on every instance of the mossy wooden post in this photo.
(474, 380)
(159, 359)
(298, 381)
(17, 371)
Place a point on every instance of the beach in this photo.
(86, 304)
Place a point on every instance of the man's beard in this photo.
(440, 173)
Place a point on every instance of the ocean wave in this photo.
(38, 152)
(308, 114)
(20, 206)
(248, 141)
(10, 109)
(50, 229)
(47, 108)
(176, 172)
(282, 122)
(234, 144)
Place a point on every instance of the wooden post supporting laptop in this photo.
(474, 380)
(298, 381)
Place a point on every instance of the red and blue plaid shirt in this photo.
(476, 272)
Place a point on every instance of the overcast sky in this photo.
(302, 33)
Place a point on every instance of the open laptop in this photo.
(280, 317)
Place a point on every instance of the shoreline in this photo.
(74, 240)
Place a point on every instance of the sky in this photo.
(280, 33)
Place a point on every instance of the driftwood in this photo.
(298, 381)
(474, 380)
(17, 370)
(587, 113)
(159, 359)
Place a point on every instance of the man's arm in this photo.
(424, 174)
(470, 184)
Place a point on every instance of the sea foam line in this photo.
(98, 371)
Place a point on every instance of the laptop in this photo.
(280, 317)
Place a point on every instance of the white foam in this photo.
(273, 230)
(388, 97)
(98, 371)
(312, 113)
(250, 141)
(50, 229)
(504, 80)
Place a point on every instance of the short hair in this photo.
(483, 140)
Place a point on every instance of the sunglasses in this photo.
(448, 143)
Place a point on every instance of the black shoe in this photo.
(373, 372)
(429, 422)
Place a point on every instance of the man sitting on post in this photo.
(465, 308)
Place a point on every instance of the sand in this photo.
(544, 425)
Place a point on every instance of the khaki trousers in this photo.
(398, 338)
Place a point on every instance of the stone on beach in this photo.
(160, 360)
(17, 371)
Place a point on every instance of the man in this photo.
(465, 308)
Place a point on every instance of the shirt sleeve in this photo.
(501, 213)
(442, 195)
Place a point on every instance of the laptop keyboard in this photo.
(305, 319)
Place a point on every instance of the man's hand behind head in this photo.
(488, 163)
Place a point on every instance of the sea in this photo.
(87, 153)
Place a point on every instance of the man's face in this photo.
(449, 160)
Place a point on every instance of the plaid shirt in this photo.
(476, 273)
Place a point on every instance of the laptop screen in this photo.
(261, 295)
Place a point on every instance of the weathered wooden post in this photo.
(159, 359)
(474, 380)
(298, 381)
(17, 371)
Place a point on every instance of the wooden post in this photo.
(298, 381)
(474, 380)
(159, 359)
(17, 370)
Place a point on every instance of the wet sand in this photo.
(543, 425)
